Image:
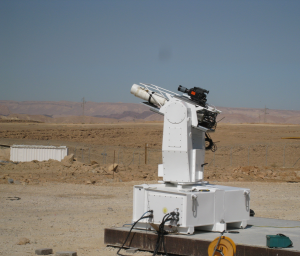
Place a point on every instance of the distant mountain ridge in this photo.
(66, 111)
(69, 108)
(132, 114)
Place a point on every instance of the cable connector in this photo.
(151, 214)
(172, 214)
(177, 216)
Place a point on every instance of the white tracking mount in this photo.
(188, 120)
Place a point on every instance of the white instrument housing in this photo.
(200, 204)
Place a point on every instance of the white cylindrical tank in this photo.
(145, 94)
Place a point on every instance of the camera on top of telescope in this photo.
(197, 94)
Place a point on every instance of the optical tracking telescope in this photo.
(188, 121)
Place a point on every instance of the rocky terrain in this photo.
(67, 205)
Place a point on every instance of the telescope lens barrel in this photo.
(182, 89)
(145, 94)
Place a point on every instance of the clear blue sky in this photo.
(246, 53)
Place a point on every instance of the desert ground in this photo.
(66, 205)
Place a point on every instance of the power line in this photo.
(82, 105)
(265, 114)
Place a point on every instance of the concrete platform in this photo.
(250, 241)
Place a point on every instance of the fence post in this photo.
(104, 154)
(284, 156)
(122, 155)
(102, 157)
(133, 158)
(248, 154)
(118, 154)
(267, 155)
(146, 146)
(114, 157)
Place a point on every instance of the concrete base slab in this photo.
(249, 241)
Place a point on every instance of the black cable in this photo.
(211, 146)
(161, 232)
(158, 241)
(143, 217)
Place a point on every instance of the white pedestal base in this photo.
(202, 206)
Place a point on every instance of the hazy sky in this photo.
(246, 53)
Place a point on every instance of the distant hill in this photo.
(68, 108)
(71, 112)
(251, 115)
(4, 110)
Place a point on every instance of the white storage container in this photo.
(27, 153)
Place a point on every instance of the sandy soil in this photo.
(75, 172)
(73, 217)
(66, 205)
(137, 134)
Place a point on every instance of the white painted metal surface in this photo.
(202, 206)
(183, 146)
(199, 204)
(27, 153)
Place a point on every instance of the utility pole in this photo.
(265, 114)
(83, 102)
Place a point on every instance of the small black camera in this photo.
(197, 94)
